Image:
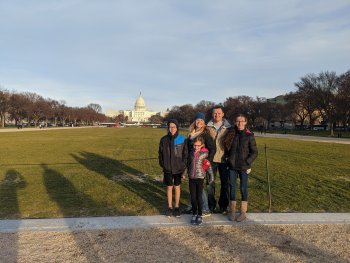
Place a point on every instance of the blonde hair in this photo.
(193, 127)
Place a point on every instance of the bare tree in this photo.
(184, 114)
(205, 107)
(4, 105)
(95, 107)
(327, 88)
(18, 104)
(343, 99)
(306, 97)
(156, 119)
(239, 105)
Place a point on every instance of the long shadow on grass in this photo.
(9, 209)
(72, 203)
(134, 180)
(261, 243)
(93, 243)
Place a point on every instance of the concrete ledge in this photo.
(132, 222)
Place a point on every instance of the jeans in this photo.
(224, 191)
(243, 185)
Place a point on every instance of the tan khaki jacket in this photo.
(218, 137)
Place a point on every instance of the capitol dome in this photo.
(140, 104)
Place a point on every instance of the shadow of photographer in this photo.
(9, 209)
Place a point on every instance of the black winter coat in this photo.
(243, 151)
(173, 153)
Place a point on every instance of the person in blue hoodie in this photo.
(172, 157)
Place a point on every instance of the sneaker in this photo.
(199, 220)
(169, 212)
(177, 212)
(206, 213)
(193, 219)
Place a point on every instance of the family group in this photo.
(208, 149)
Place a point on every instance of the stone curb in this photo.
(136, 222)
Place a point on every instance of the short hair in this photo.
(217, 107)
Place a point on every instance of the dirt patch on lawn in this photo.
(244, 243)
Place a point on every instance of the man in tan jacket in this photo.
(218, 126)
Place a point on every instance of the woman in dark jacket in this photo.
(241, 151)
(172, 155)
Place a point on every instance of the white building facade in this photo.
(140, 112)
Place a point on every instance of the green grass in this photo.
(343, 134)
(105, 171)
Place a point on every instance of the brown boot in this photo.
(232, 213)
(243, 215)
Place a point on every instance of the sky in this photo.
(175, 52)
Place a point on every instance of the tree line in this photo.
(34, 109)
(323, 97)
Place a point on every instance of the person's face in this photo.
(197, 146)
(172, 128)
(218, 114)
(200, 123)
(241, 122)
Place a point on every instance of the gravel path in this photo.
(238, 243)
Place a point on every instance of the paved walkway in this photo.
(305, 138)
(44, 129)
(125, 222)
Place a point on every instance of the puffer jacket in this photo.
(217, 136)
(209, 144)
(195, 167)
(243, 151)
(173, 153)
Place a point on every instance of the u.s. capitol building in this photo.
(139, 114)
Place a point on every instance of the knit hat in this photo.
(199, 115)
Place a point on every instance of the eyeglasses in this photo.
(197, 145)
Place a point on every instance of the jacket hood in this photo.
(204, 150)
(177, 127)
(225, 122)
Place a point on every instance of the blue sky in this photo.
(174, 52)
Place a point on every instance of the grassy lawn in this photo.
(343, 134)
(106, 171)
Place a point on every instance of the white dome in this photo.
(140, 104)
